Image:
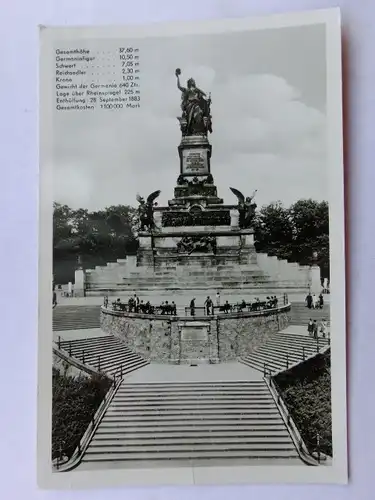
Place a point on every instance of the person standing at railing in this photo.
(227, 307)
(174, 309)
(309, 300)
(314, 302)
(310, 327)
(321, 301)
(315, 329)
(192, 307)
(208, 305)
(323, 328)
(136, 302)
(218, 299)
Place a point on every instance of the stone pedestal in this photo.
(195, 155)
(79, 283)
(314, 280)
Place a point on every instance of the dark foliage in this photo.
(74, 403)
(95, 237)
(306, 390)
(295, 233)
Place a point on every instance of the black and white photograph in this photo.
(192, 269)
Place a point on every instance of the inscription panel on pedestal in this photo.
(194, 333)
(195, 161)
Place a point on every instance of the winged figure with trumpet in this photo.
(246, 208)
(146, 211)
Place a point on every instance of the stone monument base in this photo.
(192, 340)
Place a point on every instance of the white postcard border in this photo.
(337, 473)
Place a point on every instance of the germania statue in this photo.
(196, 113)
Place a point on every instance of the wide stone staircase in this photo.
(106, 354)
(282, 350)
(76, 317)
(249, 277)
(186, 423)
(300, 314)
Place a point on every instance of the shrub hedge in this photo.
(306, 390)
(74, 403)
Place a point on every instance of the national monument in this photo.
(197, 242)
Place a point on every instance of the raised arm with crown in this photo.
(196, 118)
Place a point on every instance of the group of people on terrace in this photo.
(314, 302)
(209, 307)
(138, 306)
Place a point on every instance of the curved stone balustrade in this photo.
(194, 339)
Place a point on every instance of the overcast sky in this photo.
(268, 92)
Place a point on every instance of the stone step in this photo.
(189, 398)
(126, 368)
(199, 280)
(105, 339)
(112, 352)
(159, 420)
(181, 394)
(259, 365)
(194, 412)
(102, 351)
(282, 351)
(280, 356)
(260, 361)
(162, 443)
(185, 406)
(192, 432)
(206, 425)
(217, 453)
(110, 364)
(296, 339)
(208, 446)
(292, 348)
(201, 385)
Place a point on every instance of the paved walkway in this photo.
(79, 334)
(156, 372)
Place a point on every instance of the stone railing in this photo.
(171, 309)
(183, 339)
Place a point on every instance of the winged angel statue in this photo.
(246, 208)
(146, 211)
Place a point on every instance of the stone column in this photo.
(314, 281)
(234, 217)
(79, 283)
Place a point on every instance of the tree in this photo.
(96, 237)
(274, 230)
(295, 233)
(311, 233)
